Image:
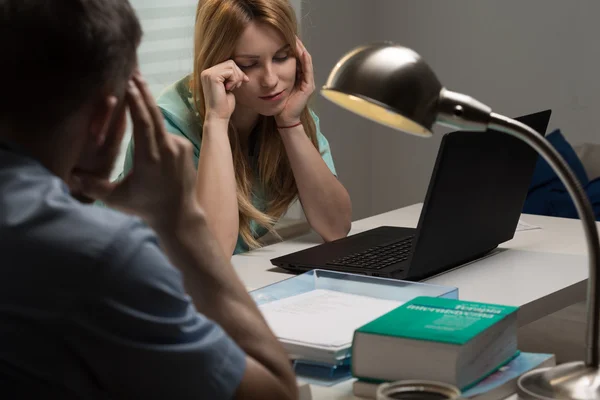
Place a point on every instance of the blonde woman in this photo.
(256, 143)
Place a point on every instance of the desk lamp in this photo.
(393, 86)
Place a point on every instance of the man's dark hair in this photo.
(57, 54)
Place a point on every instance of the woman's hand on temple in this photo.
(217, 84)
(305, 86)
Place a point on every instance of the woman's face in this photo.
(268, 60)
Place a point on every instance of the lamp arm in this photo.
(584, 209)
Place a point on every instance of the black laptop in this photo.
(473, 203)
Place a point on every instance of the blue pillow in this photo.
(543, 174)
(550, 199)
(547, 195)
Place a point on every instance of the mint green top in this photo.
(438, 319)
(181, 118)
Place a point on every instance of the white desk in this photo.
(541, 271)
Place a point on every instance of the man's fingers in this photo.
(160, 135)
(143, 127)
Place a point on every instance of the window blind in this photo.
(166, 52)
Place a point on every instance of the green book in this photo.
(453, 341)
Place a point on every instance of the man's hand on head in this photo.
(161, 185)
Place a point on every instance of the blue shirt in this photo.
(181, 118)
(89, 305)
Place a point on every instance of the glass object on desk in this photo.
(370, 286)
(417, 390)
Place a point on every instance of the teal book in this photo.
(453, 341)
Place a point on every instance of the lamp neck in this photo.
(462, 112)
(584, 209)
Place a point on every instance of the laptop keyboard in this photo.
(377, 257)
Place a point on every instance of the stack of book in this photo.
(457, 342)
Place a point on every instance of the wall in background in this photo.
(329, 29)
(516, 56)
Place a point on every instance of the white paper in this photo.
(323, 317)
(524, 226)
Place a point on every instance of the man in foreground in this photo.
(94, 303)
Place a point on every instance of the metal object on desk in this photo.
(572, 380)
(417, 390)
(392, 85)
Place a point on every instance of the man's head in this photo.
(62, 59)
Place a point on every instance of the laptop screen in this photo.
(475, 196)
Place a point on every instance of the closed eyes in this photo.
(279, 59)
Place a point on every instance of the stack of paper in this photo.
(319, 325)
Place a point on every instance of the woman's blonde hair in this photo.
(219, 24)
